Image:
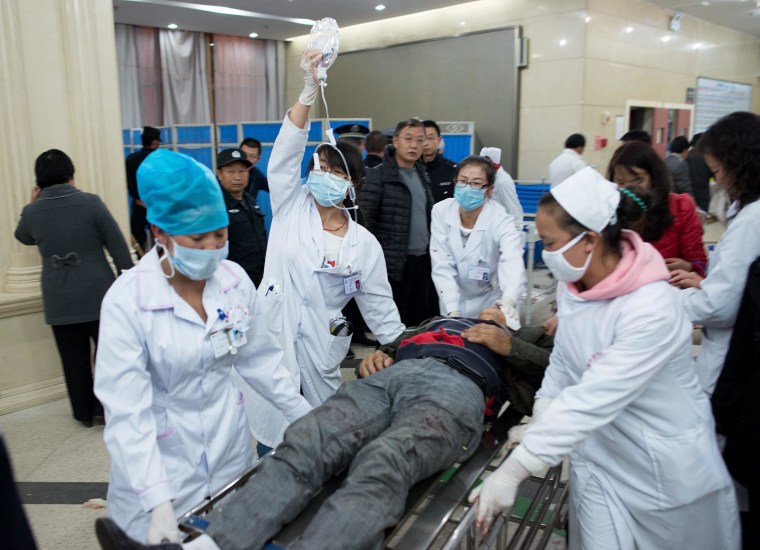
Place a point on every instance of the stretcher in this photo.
(437, 513)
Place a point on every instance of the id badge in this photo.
(479, 273)
(352, 283)
(228, 340)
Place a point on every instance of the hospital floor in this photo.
(60, 465)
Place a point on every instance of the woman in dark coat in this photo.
(71, 228)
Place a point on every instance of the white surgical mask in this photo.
(560, 267)
(195, 263)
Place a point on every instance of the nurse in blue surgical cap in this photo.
(172, 329)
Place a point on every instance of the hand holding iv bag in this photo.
(324, 38)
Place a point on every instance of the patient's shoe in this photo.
(111, 537)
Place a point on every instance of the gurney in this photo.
(437, 513)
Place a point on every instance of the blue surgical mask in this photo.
(327, 189)
(195, 263)
(468, 197)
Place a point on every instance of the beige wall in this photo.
(59, 90)
(568, 86)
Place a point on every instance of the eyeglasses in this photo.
(473, 184)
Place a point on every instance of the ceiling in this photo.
(743, 15)
(283, 19)
(271, 19)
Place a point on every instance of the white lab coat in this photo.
(175, 424)
(301, 298)
(565, 165)
(629, 411)
(505, 193)
(494, 244)
(716, 304)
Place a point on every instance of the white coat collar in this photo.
(154, 291)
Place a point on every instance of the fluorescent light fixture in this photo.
(705, 4)
(253, 34)
(666, 38)
(224, 11)
(628, 30)
(588, 19)
(562, 42)
(697, 45)
(379, 7)
(172, 26)
(462, 23)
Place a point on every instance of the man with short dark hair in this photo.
(569, 161)
(258, 185)
(676, 163)
(637, 135)
(396, 201)
(151, 140)
(441, 170)
(246, 234)
(375, 147)
(699, 174)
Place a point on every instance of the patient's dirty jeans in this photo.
(393, 428)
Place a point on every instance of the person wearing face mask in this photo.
(171, 331)
(475, 249)
(620, 396)
(318, 259)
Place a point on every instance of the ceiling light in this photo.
(588, 19)
(172, 26)
(212, 44)
(253, 34)
(629, 30)
(462, 23)
(562, 42)
(697, 45)
(379, 7)
(666, 39)
(705, 3)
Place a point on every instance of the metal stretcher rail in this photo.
(440, 518)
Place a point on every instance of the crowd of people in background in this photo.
(240, 298)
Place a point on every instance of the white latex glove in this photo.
(498, 492)
(507, 306)
(163, 525)
(515, 434)
(309, 60)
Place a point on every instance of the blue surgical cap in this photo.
(181, 195)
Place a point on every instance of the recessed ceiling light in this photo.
(253, 34)
(588, 19)
(666, 39)
(562, 42)
(629, 30)
(212, 44)
(379, 7)
(697, 45)
(462, 23)
(172, 26)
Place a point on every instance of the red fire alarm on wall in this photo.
(599, 142)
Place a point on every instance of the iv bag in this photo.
(324, 37)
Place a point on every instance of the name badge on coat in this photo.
(479, 273)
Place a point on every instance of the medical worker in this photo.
(620, 396)
(318, 258)
(475, 249)
(171, 331)
(732, 151)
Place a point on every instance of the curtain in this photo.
(248, 83)
(129, 85)
(149, 75)
(183, 77)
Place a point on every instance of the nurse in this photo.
(172, 329)
(732, 151)
(620, 396)
(475, 249)
(318, 258)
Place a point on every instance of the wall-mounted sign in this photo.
(717, 98)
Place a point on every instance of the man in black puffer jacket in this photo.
(396, 202)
